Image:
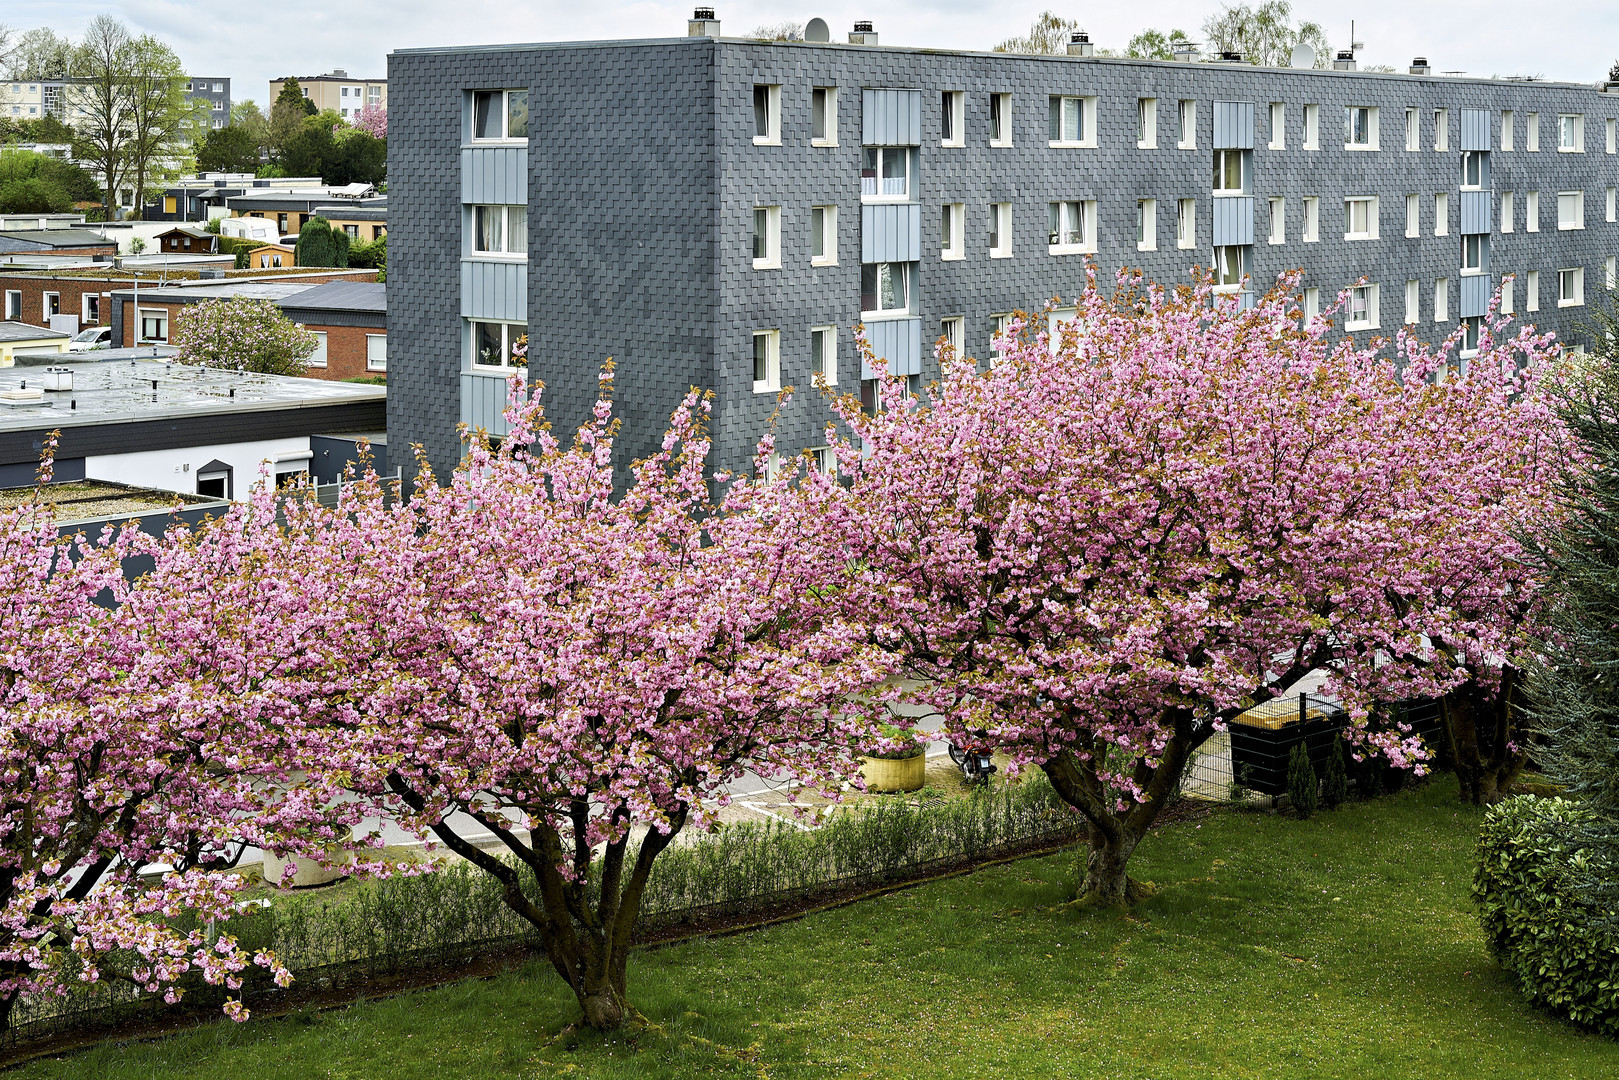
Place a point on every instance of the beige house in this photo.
(271, 257)
(338, 92)
(20, 339)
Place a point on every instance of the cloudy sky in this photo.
(253, 41)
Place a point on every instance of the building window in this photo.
(823, 236)
(952, 132)
(52, 304)
(1413, 130)
(1531, 133)
(1000, 119)
(885, 289)
(1413, 300)
(766, 361)
(1312, 127)
(1186, 133)
(999, 324)
(499, 114)
(497, 346)
(1441, 214)
(1312, 219)
(1413, 215)
(1228, 172)
(1071, 227)
(824, 354)
(1507, 123)
(1360, 127)
(1070, 121)
(497, 230)
(1613, 204)
(1570, 210)
(1474, 248)
(1441, 300)
(950, 333)
(767, 238)
(1441, 130)
(1186, 223)
(1507, 212)
(1470, 332)
(1363, 311)
(90, 308)
(154, 324)
(1360, 218)
(824, 460)
(886, 173)
(1472, 169)
(353, 231)
(1610, 268)
(13, 304)
(952, 222)
(1278, 220)
(1571, 287)
(1146, 123)
(318, 357)
(1278, 126)
(1312, 303)
(1146, 224)
(1000, 230)
(824, 116)
(373, 94)
(1571, 133)
(1230, 267)
(1506, 296)
(766, 115)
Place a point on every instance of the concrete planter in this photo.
(889, 774)
(308, 873)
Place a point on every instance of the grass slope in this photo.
(1343, 946)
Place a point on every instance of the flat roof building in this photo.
(720, 213)
(337, 91)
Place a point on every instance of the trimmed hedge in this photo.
(1551, 943)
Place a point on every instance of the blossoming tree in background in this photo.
(373, 120)
(1102, 549)
(244, 335)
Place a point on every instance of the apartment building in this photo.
(721, 213)
(214, 96)
(337, 91)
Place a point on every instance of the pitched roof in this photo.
(18, 331)
(341, 296)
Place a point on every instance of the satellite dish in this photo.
(1303, 56)
(817, 31)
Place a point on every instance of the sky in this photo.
(254, 41)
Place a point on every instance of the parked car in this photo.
(96, 337)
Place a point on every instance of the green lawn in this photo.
(1344, 946)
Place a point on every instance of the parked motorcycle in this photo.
(973, 760)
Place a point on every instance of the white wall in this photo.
(176, 470)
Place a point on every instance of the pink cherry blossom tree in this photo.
(1102, 549)
(373, 120)
(575, 677)
(243, 334)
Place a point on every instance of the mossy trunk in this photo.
(1487, 749)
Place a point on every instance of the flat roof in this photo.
(17, 331)
(342, 296)
(74, 501)
(121, 392)
(58, 237)
(247, 290)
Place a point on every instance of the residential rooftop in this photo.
(77, 501)
(20, 331)
(343, 296)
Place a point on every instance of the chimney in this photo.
(1081, 45)
(1419, 66)
(703, 23)
(863, 34)
(1230, 56)
(1186, 52)
(1612, 85)
(339, 73)
(1345, 61)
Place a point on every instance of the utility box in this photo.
(65, 324)
(58, 378)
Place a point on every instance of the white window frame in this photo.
(1369, 202)
(159, 316)
(1441, 300)
(1413, 216)
(1186, 223)
(1312, 219)
(504, 253)
(1612, 212)
(771, 259)
(1312, 303)
(771, 383)
(1472, 160)
(1531, 133)
(317, 356)
(1613, 135)
(1508, 122)
(1571, 133)
(1507, 306)
(1413, 302)
(957, 212)
(374, 342)
(1371, 296)
(1413, 129)
(1146, 224)
(1222, 159)
(907, 278)
(86, 301)
(1278, 220)
(1278, 126)
(883, 154)
(951, 330)
(1475, 253)
(1574, 203)
(1000, 218)
(1058, 321)
(505, 118)
(828, 235)
(1531, 291)
(1441, 131)
(508, 340)
(1531, 212)
(827, 337)
(1351, 126)
(1000, 109)
(829, 119)
(1508, 211)
(1070, 211)
(952, 107)
(47, 302)
(772, 99)
(1146, 123)
(998, 322)
(1312, 127)
(1467, 347)
(13, 304)
(1575, 296)
(823, 459)
(1084, 110)
(1186, 118)
(1610, 269)
(1441, 213)
(1221, 265)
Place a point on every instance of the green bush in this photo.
(1335, 785)
(239, 246)
(1301, 781)
(1534, 922)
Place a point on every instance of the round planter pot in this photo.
(887, 774)
(308, 873)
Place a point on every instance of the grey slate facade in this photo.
(641, 175)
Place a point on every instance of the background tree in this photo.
(1264, 34)
(243, 334)
(1097, 555)
(161, 115)
(287, 115)
(318, 244)
(1152, 44)
(782, 31)
(311, 150)
(373, 120)
(356, 157)
(40, 54)
(102, 137)
(228, 149)
(39, 183)
(1049, 35)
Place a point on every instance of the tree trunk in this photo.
(1485, 748)
(1105, 881)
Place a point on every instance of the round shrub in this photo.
(1552, 943)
